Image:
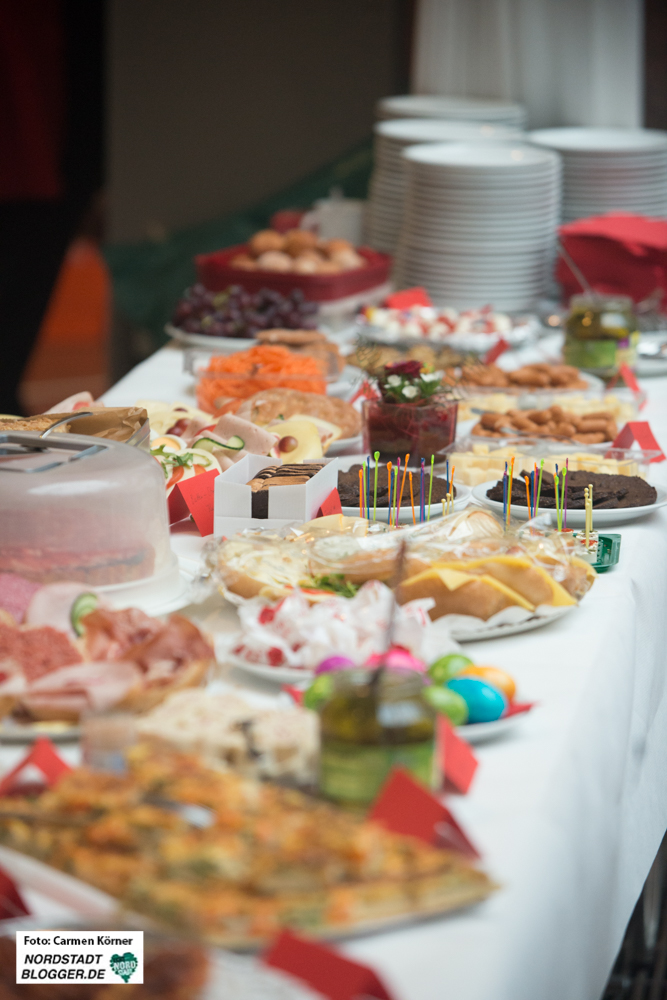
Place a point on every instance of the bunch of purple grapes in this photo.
(235, 312)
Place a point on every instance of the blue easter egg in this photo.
(485, 703)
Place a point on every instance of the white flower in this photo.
(394, 380)
(430, 377)
(410, 391)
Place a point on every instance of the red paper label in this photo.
(41, 767)
(408, 298)
(366, 391)
(496, 351)
(324, 969)
(639, 431)
(331, 505)
(458, 761)
(197, 494)
(629, 378)
(12, 904)
(404, 806)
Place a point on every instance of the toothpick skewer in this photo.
(405, 472)
(430, 489)
(412, 500)
(389, 496)
(376, 456)
(361, 493)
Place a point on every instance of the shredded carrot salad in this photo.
(259, 368)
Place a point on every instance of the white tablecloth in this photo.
(569, 809)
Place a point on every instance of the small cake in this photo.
(278, 475)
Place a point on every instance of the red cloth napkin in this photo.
(618, 254)
(324, 969)
(11, 901)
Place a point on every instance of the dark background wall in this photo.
(213, 104)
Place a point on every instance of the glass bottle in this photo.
(368, 728)
(601, 334)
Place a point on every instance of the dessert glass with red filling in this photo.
(415, 414)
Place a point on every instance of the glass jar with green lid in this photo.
(370, 724)
(601, 334)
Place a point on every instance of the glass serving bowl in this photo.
(402, 428)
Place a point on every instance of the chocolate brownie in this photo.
(348, 487)
(609, 492)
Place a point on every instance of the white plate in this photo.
(278, 675)
(575, 518)
(225, 345)
(405, 513)
(515, 628)
(598, 140)
(482, 732)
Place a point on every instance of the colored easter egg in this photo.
(446, 667)
(448, 703)
(485, 703)
(318, 692)
(494, 676)
(396, 659)
(334, 663)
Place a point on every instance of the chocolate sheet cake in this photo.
(348, 487)
(609, 492)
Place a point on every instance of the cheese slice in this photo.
(454, 578)
(559, 596)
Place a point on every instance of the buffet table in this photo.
(569, 808)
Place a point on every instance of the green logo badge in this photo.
(124, 965)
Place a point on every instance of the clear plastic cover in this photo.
(76, 508)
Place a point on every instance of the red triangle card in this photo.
(639, 431)
(405, 806)
(458, 761)
(494, 353)
(194, 496)
(331, 505)
(324, 969)
(11, 901)
(41, 768)
(407, 298)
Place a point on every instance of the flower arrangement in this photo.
(408, 382)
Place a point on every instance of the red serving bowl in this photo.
(215, 272)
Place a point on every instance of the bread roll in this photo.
(460, 593)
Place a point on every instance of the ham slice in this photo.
(52, 605)
(37, 650)
(109, 634)
(69, 691)
(178, 642)
(16, 594)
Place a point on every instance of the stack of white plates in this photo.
(609, 169)
(480, 221)
(469, 109)
(388, 183)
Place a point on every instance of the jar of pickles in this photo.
(370, 724)
(601, 334)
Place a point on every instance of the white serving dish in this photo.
(575, 518)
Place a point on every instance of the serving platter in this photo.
(94, 904)
(575, 518)
(462, 499)
(484, 732)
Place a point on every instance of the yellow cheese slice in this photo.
(560, 597)
(454, 578)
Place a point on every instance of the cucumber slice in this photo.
(235, 443)
(82, 606)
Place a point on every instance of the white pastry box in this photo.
(232, 509)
